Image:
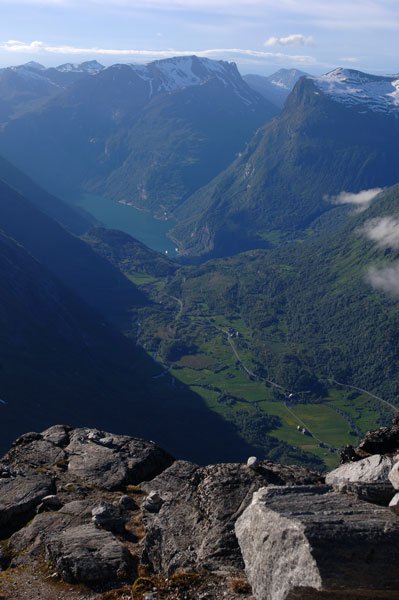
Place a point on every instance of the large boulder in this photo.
(92, 457)
(384, 440)
(367, 478)
(27, 544)
(113, 461)
(310, 543)
(193, 526)
(89, 555)
(19, 497)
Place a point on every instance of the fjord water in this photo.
(139, 224)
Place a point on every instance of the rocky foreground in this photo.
(86, 514)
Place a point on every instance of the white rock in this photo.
(252, 462)
(153, 502)
(394, 476)
(374, 469)
(394, 504)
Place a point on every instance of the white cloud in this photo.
(360, 200)
(383, 231)
(386, 280)
(296, 39)
(38, 47)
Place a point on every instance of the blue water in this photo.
(138, 223)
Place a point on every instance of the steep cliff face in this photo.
(87, 514)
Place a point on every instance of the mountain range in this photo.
(307, 295)
(26, 87)
(338, 132)
(149, 135)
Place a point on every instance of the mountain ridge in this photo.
(316, 148)
(147, 135)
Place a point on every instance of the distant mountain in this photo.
(361, 90)
(150, 135)
(29, 86)
(90, 66)
(277, 87)
(23, 88)
(336, 133)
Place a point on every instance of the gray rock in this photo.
(366, 478)
(31, 453)
(375, 493)
(19, 497)
(109, 517)
(310, 543)
(107, 441)
(194, 528)
(394, 476)
(374, 469)
(34, 536)
(58, 435)
(89, 555)
(113, 466)
(384, 440)
(153, 502)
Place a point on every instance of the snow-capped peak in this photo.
(171, 74)
(181, 72)
(354, 88)
(92, 67)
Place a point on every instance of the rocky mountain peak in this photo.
(357, 89)
(180, 72)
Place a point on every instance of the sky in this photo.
(261, 36)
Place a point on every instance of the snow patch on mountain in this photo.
(92, 67)
(286, 78)
(28, 74)
(354, 88)
(177, 73)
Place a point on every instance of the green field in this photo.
(214, 372)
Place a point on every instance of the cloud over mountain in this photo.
(38, 47)
(384, 231)
(296, 39)
(386, 280)
(361, 200)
